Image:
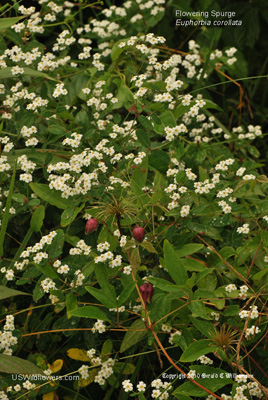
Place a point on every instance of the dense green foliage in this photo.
(134, 211)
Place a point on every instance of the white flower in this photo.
(230, 288)
(127, 385)
(141, 386)
(243, 229)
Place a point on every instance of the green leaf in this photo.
(160, 306)
(6, 73)
(124, 368)
(148, 246)
(8, 22)
(89, 312)
(47, 269)
(143, 137)
(188, 249)
(159, 160)
(203, 274)
(174, 264)
(16, 365)
(38, 218)
(69, 214)
(135, 334)
(181, 396)
(71, 303)
(167, 286)
(101, 296)
(102, 275)
(107, 348)
(6, 213)
(51, 196)
(206, 328)
(6, 292)
(56, 246)
(126, 293)
(196, 350)
(193, 265)
(210, 382)
(203, 229)
(135, 257)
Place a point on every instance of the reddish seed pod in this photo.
(91, 225)
(138, 233)
(147, 291)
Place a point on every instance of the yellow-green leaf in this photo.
(78, 354)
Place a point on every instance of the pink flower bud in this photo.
(91, 225)
(147, 291)
(138, 233)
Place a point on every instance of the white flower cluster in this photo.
(63, 40)
(81, 248)
(105, 371)
(253, 132)
(47, 285)
(7, 340)
(4, 166)
(243, 292)
(61, 269)
(243, 229)
(59, 90)
(253, 313)
(230, 288)
(172, 133)
(160, 392)
(185, 211)
(215, 315)
(99, 327)
(251, 387)
(166, 328)
(205, 360)
(74, 141)
(173, 336)
(252, 331)
(28, 167)
(223, 165)
(114, 261)
(78, 279)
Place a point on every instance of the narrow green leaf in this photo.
(209, 382)
(102, 296)
(71, 303)
(89, 312)
(206, 328)
(196, 350)
(51, 196)
(6, 292)
(174, 264)
(38, 218)
(8, 22)
(7, 73)
(107, 348)
(188, 249)
(6, 214)
(16, 365)
(102, 275)
(124, 368)
(135, 334)
(126, 293)
(167, 286)
(69, 214)
(148, 246)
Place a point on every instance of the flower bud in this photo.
(147, 291)
(91, 225)
(138, 233)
